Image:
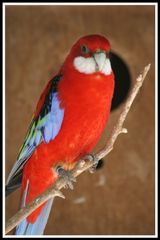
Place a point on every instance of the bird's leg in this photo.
(94, 159)
(66, 175)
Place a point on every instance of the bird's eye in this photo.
(84, 49)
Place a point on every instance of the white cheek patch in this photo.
(85, 65)
(89, 65)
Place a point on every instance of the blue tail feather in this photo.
(37, 228)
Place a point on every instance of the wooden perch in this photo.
(82, 165)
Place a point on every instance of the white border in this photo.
(81, 4)
(156, 115)
(156, 119)
(4, 130)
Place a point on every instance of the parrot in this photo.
(67, 123)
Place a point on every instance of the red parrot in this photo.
(67, 124)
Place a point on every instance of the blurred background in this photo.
(119, 197)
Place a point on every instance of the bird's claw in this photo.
(93, 159)
(67, 176)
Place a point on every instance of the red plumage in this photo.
(86, 100)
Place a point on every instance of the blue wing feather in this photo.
(44, 128)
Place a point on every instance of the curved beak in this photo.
(100, 58)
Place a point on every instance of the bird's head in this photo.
(90, 54)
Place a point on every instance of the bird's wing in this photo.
(45, 125)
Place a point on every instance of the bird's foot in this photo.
(93, 159)
(67, 176)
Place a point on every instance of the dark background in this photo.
(119, 197)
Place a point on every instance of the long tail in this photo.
(37, 228)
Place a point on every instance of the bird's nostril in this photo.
(98, 50)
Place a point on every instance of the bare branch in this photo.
(82, 165)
